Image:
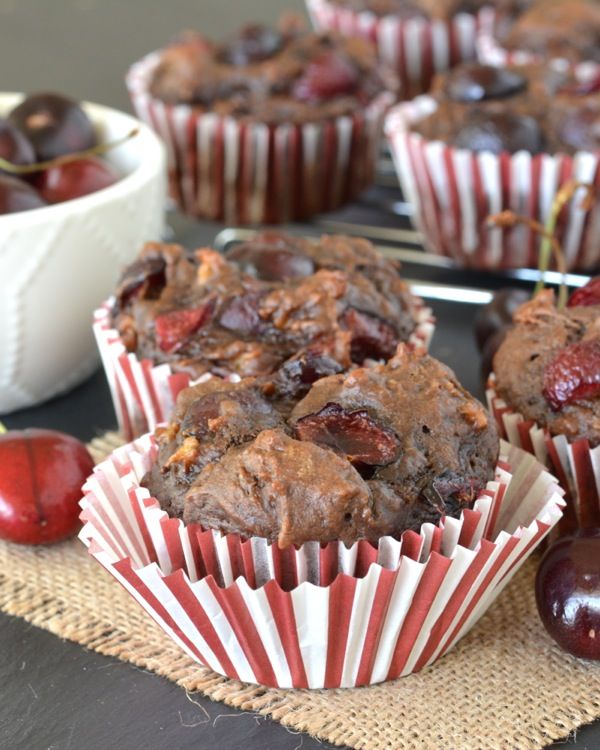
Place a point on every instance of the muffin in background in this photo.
(272, 125)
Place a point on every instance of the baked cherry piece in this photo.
(499, 131)
(174, 329)
(55, 125)
(498, 313)
(574, 374)
(270, 261)
(372, 338)
(328, 74)
(14, 146)
(475, 83)
(16, 195)
(567, 590)
(75, 179)
(586, 295)
(253, 44)
(41, 475)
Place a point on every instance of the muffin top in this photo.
(568, 29)
(271, 75)
(548, 367)
(282, 308)
(530, 108)
(426, 9)
(365, 454)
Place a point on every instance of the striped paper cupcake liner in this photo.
(415, 48)
(575, 463)
(144, 393)
(318, 615)
(452, 191)
(242, 172)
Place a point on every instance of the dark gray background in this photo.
(55, 695)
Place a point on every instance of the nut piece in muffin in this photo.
(271, 75)
(548, 367)
(529, 108)
(282, 308)
(366, 454)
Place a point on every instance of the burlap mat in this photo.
(504, 686)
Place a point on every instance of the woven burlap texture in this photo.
(504, 686)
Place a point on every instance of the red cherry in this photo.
(586, 295)
(328, 74)
(174, 328)
(573, 374)
(372, 338)
(41, 475)
(14, 146)
(75, 179)
(567, 591)
(16, 195)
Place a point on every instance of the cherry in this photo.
(328, 74)
(355, 434)
(298, 373)
(41, 475)
(241, 315)
(372, 338)
(475, 83)
(567, 591)
(573, 374)
(145, 278)
(173, 329)
(16, 195)
(14, 146)
(54, 124)
(271, 262)
(64, 182)
(499, 131)
(586, 295)
(498, 313)
(253, 44)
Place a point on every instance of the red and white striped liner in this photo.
(245, 172)
(144, 394)
(575, 463)
(320, 615)
(415, 48)
(452, 191)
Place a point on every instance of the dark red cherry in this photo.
(17, 195)
(241, 315)
(296, 375)
(372, 338)
(14, 146)
(54, 124)
(472, 82)
(328, 74)
(498, 313)
(499, 131)
(253, 44)
(567, 590)
(145, 278)
(586, 295)
(74, 179)
(271, 262)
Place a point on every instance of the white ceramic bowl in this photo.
(59, 262)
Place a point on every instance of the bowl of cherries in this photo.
(82, 187)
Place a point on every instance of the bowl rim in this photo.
(152, 163)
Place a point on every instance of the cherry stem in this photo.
(2, 429)
(508, 219)
(39, 166)
(563, 196)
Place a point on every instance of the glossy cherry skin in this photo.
(14, 146)
(16, 195)
(54, 124)
(567, 591)
(41, 475)
(75, 179)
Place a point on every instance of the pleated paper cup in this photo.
(245, 172)
(415, 48)
(574, 462)
(318, 615)
(453, 190)
(144, 393)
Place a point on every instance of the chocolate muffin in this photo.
(285, 309)
(529, 108)
(271, 75)
(566, 29)
(548, 368)
(366, 454)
